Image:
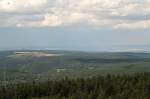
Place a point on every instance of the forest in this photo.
(28, 65)
(135, 86)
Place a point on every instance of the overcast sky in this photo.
(75, 24)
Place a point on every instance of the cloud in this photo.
(97, 13)
(51, 20)
(134, 25)
(20, 5)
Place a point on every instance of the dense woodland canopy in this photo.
(135, 86)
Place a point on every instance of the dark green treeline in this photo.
(135, 86)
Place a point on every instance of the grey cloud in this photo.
(109, 13)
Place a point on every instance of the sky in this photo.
(91, 25)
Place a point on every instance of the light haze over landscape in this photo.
(74, 49)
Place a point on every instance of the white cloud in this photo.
(99, 13)
(134, 25)
(19, 5)
(51, 20)
(37, 3)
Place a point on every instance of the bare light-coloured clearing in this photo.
(33, 54)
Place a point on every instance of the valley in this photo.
(41, 65)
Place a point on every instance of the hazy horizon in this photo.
(82, 25)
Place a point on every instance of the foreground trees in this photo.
(136, 86)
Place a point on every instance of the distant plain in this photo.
(27, 65)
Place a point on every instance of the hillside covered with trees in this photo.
(135, 86)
